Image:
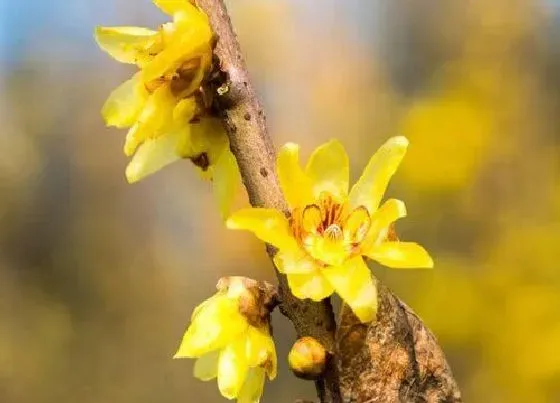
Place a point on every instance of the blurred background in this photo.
(98, 277)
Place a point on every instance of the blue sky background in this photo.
(25, 23)
(61, 23)
(69, 23)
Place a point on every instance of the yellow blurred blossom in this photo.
(161, 105)
(454, 136)
(230, 337)
(329, 229)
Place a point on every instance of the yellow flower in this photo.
(320, 246)
(166, 120)
(229, 345)
(188, 40)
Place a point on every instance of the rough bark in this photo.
(395, 359)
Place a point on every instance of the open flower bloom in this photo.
(321, 245)
(185, 42)
(158, 103)
(229, 346)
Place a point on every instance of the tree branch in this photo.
(244, 121)
(396, 358)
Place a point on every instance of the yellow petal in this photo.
(185, 44)
(232, 368)
(357, 226)
(401, 255)
(328, 169)
(171, 7)
(388, 213)
(200, 67)
(206, 367)
(257, 346)
(206, 144)
(218, 325)
(370, 188)
(125, 103)
(271, 366)
(269, 225)
(207, 303)
(208, 136)
(294, 261)
(226, 179)
(126, 44)
(295, 184)
(184, 111)
(313, 286)
(253, 386)
(332, 251)
(261, 351)
(155, 154)
(157, 112)
(354, 283)
(311, 218)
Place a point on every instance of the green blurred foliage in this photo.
(98, 278)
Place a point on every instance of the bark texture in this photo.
(396, 359)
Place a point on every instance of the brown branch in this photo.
(244, 120)
(396, 358)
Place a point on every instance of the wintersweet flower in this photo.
(329, 230)
(230, 336)
(186, 43)
(162, 104)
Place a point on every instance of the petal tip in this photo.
(231, 223)
(183, 353)
(430, 263)
(132, 173)
(335, 142)
(129, 148)
(401, 208)
(290, 146)
(97, 31)
(366, 315)
(399, 141)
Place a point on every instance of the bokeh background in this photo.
(98, 277)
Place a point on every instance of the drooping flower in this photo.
(329, 230)
(162, 104)
(230, 336)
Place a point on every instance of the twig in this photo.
(395, 359)
(244, 120)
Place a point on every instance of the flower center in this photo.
(182, 81)
(333, 232)
(329, 231)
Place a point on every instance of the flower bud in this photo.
(307, 358)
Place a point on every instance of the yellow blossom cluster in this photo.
(161, 104)
(321, 244)
(231, 344)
